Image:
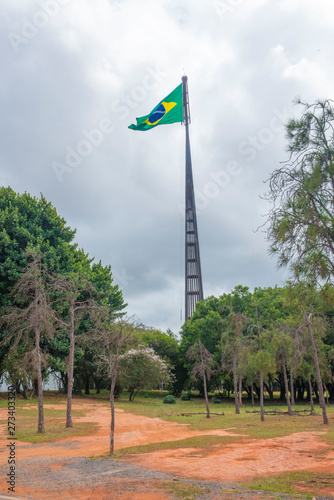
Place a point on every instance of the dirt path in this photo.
(130, 430)
(66, 470)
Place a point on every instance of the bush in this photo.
(186, 396)
(215, 400)
(169, 400)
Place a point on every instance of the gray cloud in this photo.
(76, 76)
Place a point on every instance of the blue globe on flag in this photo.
(157, 114)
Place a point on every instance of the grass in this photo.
(185, 491)
(191, 489)
(288, 483)
(201, 443)
(26, 419)
(248, 424)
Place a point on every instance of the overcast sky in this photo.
(76, 73)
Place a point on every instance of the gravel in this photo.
(114, 477)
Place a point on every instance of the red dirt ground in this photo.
(223, 462)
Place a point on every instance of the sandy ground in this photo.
(66, 470)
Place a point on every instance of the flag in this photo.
(169, 110)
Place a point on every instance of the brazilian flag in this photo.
(169, 110)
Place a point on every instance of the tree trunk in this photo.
(326, 394)
(257, 391)
(315, 390)
(252, 394)
(41, 429)
(34, 387)
(316, 361)
(261, 396)
(300, 386)
(270, 391)
(97, 383)
(64, 380)
(285, 375)
(22, 391)
(131, 394)
(292, 390)
(330, 388)
(311, 395)
(282, 388)
(87, 380)
(206, 398)
(235, 382)
(70, 372)
(112, 409)
(240, 391)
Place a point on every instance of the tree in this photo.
(140, 368)
(263, 358)
(76, 296)
(309, 326)
(300, 224)
(232, 342)
(166, 346)
(112, 338)
(28, 222)
(203, 367)
(31, 313)
(282, 344)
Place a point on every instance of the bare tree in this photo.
(29, 319)
(204, 367)
(76, 296)
(113, 337)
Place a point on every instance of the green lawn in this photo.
(150, 404)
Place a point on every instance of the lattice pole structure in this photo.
(193, 274)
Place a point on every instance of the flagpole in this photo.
(193, 273)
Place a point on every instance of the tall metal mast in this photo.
(193, 274)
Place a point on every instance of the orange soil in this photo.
(223, 462)
(236, 462)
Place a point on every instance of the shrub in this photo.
(169, 400)
(186, 396)
(215, 400)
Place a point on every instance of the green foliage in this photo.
(169, 400)
(27, 222)
(30, 224)
(300, 224)
(141, 368)
(186, 396)
(166, 346)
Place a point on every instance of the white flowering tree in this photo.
(142, 368)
